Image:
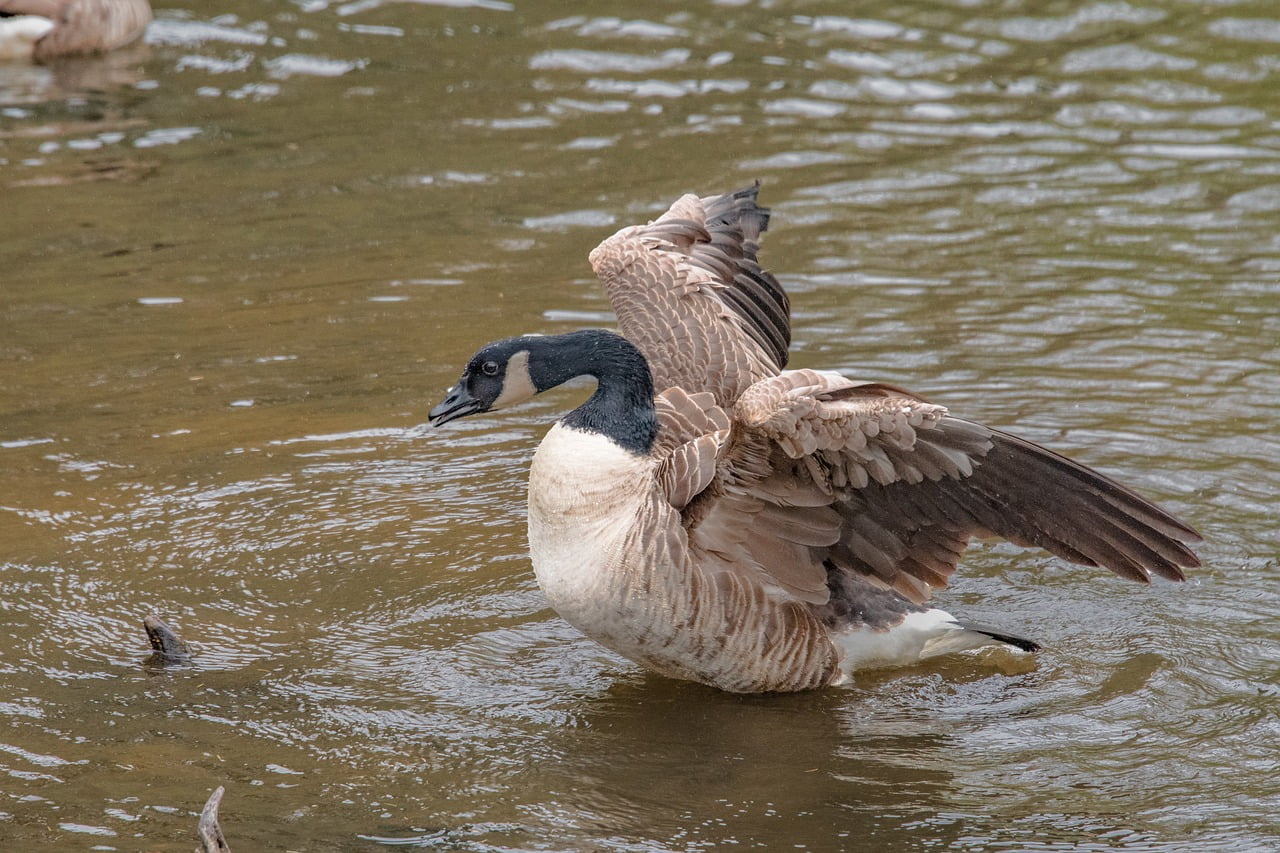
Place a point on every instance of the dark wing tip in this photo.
(1076, 512)
(734, 223)
(740, 209)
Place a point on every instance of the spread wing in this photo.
(689, 292)
(817, 474)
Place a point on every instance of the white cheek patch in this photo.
(517, 386)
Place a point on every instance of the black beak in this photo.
(458, 403)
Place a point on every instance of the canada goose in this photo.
(761, 529)
(43, 29)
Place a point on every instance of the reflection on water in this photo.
(244, 260)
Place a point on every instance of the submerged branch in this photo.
(211, 839)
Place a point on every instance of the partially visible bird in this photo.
(761, 529)
(44, 29)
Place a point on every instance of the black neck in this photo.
(622, 406)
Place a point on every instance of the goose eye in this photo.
(489, 368)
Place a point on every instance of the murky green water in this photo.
(239, 266)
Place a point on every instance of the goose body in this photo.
(44, 29)
(593, 511)
(761, 529)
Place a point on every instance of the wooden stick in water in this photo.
(211, 839)
(166, 645)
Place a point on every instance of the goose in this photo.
(43, 29)
(715, 517)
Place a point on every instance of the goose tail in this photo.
(917, 636)
(1001, 636)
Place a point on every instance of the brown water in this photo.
(239, 266)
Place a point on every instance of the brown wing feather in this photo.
(812, 472)
(689, 292)
(868, 479)
(684, 417)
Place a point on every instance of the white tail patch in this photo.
(917, 637)
(19, 34)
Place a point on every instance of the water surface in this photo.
(243, 261)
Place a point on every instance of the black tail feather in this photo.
(1016, 642)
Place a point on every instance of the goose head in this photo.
(497, 376)
(511, 371)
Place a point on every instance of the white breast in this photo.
(584, 496)
(19, 34)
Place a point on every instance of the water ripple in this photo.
(598, 61)
(1060, 222)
